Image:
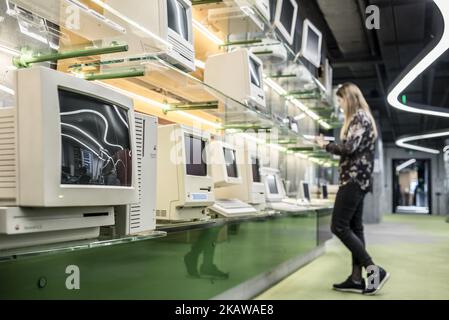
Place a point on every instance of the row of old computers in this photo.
(76, 157)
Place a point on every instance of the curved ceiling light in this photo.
(421, 66)
(411, 75)
(403, 142)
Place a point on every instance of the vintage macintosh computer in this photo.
(67, 157)
(140, 217)
(275, 192)
(251, 190)
(285, 19)
(226, 173)
(244, 85)
(185, 187)
(169, 20)
(312, 40)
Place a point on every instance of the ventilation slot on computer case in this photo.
(8, 174)
(136, 209)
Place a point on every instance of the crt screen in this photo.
(306, 191)
(231, 163)
(194, 148)
(287, 12)
(95, 141)
(254, 69)
(325, 193)
(313, 42)
(255, 168)
(177, 18)
(272, 185)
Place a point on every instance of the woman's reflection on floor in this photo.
(205, 244)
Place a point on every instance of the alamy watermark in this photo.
(72, 282)
(372, 17)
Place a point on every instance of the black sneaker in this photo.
(382, 277)
(350, 286)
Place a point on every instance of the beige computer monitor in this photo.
(238, 74)
(57, 115)
(184, 182)
(252, 189)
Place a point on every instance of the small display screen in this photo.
(305, 187)
(95, 141)
(177, 18)
(325, 193)
(287, 14)
(194, 149)
(231, 163)
(255, 165)
(254, 69)
(313, 45)
(272, 184)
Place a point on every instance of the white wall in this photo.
(437, 176)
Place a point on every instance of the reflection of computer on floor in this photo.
(226, 172)
(275, 193)
(67, 155)
(184, 181)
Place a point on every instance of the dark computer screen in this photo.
(325, 193)
(272, 184)
(255, 165)
(305, 187)
(287, 14)
(231, 163)
(177, 18)
(194, 149)
(95, 141)
(313, 44)
(254, 69)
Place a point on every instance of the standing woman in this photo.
(358, 136)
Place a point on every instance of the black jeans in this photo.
(347, 222)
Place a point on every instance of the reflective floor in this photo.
(415, 249)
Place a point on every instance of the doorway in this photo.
(412, 186)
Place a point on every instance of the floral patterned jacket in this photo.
(357, 152)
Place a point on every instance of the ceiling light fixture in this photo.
(403, 142)
(423, 64)
(404, 165)
(395, 94)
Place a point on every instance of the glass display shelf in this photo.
(161, 232)
(68, 25)
(231, 22)
(168, 90)
(55, 248)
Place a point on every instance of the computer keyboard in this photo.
(285, 207)
(232, 208)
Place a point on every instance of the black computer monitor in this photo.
(231, 162)
(255, 165)
(194, 148)
(306, 191)
(324, 190)
(272, 184)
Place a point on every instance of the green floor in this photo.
(414, 249)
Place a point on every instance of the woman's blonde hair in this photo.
(355, 101)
